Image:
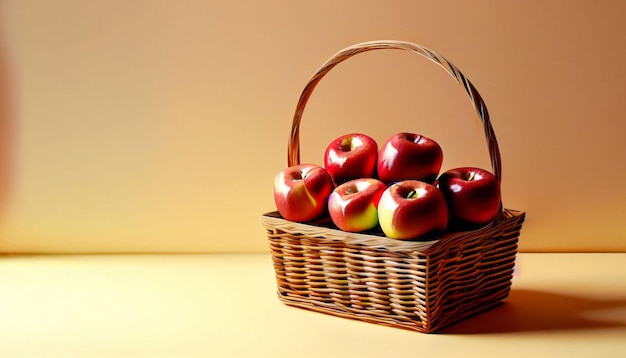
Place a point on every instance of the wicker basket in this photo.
(417, 285)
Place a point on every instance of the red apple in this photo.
(472, 194)
(409, 156)
(301, 192)
(351, 156)
(353, 205)
(410, 209)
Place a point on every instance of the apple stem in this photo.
(412, 194)
(471, 176)
(346, 145)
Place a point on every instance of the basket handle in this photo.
(477, 101)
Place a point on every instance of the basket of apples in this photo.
(381, 234)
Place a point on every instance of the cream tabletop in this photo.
(561, 305)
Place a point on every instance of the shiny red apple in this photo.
(472, 194)
(409, 156)
(351, 156)
(411, 209)
(353, 205)
(301, 192)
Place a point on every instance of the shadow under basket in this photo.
(422, 286)
(418, 285)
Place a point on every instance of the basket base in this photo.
(382, 319)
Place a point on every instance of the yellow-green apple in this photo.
(410, 209)
(472, 194)
(409, 156)
(353, 205)
(351, 156)
(301, 192)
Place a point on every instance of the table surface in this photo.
(561, 305)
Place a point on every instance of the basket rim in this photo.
(322, 231)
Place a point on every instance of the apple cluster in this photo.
(397, 189)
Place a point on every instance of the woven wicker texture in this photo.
(419, 285)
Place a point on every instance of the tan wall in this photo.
(159, 125)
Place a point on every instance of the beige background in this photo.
(154, 126)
